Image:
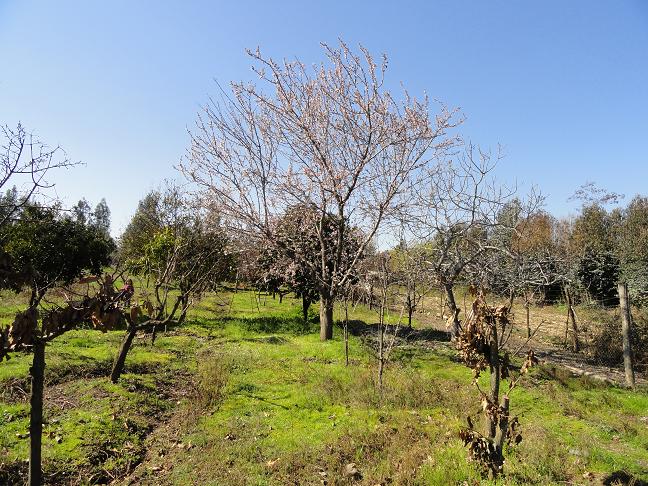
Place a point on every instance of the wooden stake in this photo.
(626, 323)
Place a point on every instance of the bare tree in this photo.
(25, 163)
(458, 210)
(330, 137)
(412, 275)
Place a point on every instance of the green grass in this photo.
(245, 393)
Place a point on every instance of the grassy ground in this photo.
(245, 393)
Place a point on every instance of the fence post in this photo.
(624, 301)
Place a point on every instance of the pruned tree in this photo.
(330, 137)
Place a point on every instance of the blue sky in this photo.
(563, 86)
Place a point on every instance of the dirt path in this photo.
(551, 328)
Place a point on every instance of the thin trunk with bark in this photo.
(37, 372)
(410, 310)
(346, 333)
(381, 356)
(527, 307)
(454, 310)
(118, 365)
(502, 427)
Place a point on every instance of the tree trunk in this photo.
(118, 365)
(37, 372)
(183, 314)
(454, 311)
(326, 318)
(305, 306)
(626, 324)
(502, 428)
(346, 343)
(494, 364)
(410, 311)
(346, 332)
(527, 305)
(442, 305)
(381, 356)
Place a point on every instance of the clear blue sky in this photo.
(562, 85)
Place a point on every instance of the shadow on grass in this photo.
(361, 328)
(622, 477)
(273, 324)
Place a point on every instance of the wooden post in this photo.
(626, 322)
(571, 316)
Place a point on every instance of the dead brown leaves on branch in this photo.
(480, 346)
(102, 310)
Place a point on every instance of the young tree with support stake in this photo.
(331, 137)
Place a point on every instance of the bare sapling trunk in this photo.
(527, 308)
(120, 360)
(326, 318)
(346, 333)
(381, 353)
(410, 310)
(381, 329)
(502, 427)
(37, 372)
(626, 323)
